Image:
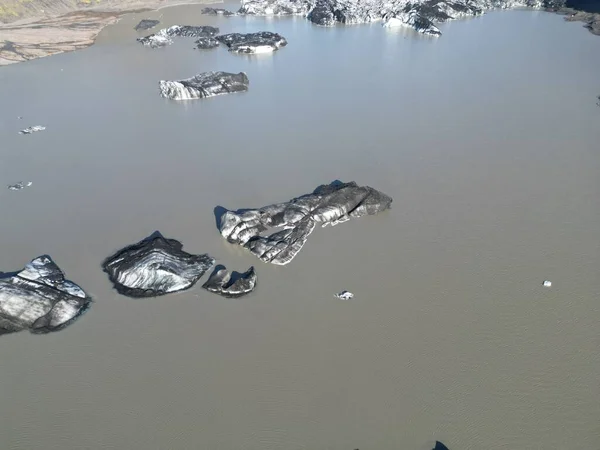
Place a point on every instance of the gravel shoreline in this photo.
(49, 32)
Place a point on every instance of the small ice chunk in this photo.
(547, 283)
(345, 295)
(33, 129)
(146, 24)
(20, 185)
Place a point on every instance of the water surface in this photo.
(486, 138)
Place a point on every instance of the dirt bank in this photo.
(32, 29)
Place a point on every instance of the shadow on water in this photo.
(5, 275)
(219, 211)
(438, 446)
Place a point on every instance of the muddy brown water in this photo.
(486, 138)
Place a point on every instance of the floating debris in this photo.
(206, 43)
(163, 37)
(207, 84)
(39, 298)
(146, 24)
(20, 185)
(261, 42)
(332, 203)
(155, 266)
(547, 283)
(345, 295)
(32, 129)
(231, 284)
(217, 12)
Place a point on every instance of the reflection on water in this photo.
(486, 138)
